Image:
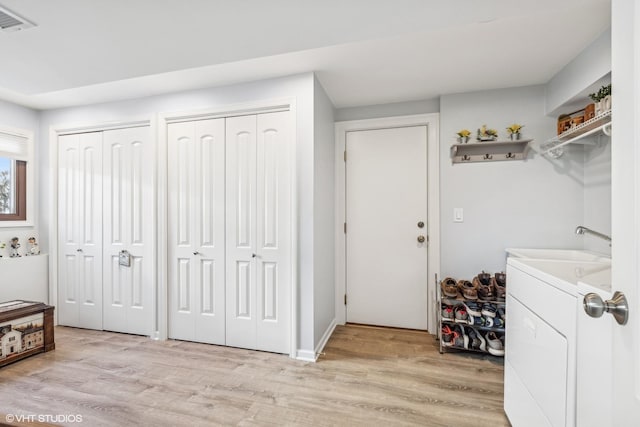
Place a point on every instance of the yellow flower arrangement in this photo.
(514, 128)
(464, 133)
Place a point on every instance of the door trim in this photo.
(56, 131)
(249, 108)
(431, 121)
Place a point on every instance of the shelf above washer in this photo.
(576, 135)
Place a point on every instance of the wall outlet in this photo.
(458, 215)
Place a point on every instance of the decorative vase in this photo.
(464, 139)
(515, 136)
(606, 101)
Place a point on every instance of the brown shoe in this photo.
(449, 287)
(500, 285)
(468, 289)
(486, 292)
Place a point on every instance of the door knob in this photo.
(78, 250)
(421, 224)
(421, 239)
(197, 253)
(617, 306)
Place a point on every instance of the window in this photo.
(13, 177)
(16, 181)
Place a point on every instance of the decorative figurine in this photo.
(34, 249)
(15, 244)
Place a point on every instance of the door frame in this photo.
(55, 132)
(432, 122)
(243, 109)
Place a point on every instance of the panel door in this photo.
(197, 231)
(129, 224)
(386, 199)
(80, 230)
(241, 245)
(273, 236)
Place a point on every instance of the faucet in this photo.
(581, 229)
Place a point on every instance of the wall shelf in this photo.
(600, 124)
(491, 151)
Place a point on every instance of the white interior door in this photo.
(386, 198)
(258, 207)
(129, 219)
(80, 230)
(241, 232)
(197, 231)
(273, 236)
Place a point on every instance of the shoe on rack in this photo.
(468, 289)
(500, 286)
(494, 344)
(484, 278)
(488, 310)
(461, 339)
(460, 313)
(473, 308)
(447, 311)
(449, 287)
(501, 313)
(485, 288)
(476, 340)
(476, 320)
(447, 336)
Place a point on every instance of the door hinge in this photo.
(345, 299)
(345, 228)
(345, 155)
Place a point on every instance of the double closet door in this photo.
(230, 231)
(105, 206)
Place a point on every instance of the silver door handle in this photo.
(617, 306)
(78, 250)
(197, 253)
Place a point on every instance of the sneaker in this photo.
(461, 339)
(473, 308)
(460, 313)
(476, 321)
(485, 291)
(502, 313)
(447, 336)
(449, 287)
(494, 344)
(484, 278)
(468, 289)
(488, 310)
(476, 340)
(447, 312)
(500, 286)
(497, 322)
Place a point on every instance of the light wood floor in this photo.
(367, 376)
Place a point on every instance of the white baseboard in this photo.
(308, 356)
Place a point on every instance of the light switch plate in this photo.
(458, 215)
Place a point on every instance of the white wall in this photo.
(299, 87)
(16, 116)
(388, 110)
(532, 203)
(584, 74)
(323, 220)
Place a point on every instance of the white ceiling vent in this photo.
(10, 21)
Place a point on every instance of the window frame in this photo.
(24, 176)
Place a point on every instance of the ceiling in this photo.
(364, 51)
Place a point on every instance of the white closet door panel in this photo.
(197, 231)
(273, 232)
(129, 218)
(241, 231)
(80, 230)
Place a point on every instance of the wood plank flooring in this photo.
(366, 377)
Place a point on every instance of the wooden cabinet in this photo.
(26, 328)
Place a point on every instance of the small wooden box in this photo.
(26, 328)
(589, 112)
(564, 123)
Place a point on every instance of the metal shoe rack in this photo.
(483, 330)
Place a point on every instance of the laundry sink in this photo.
(558, 254)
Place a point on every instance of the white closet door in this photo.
(80, 230)
(241, 232)
(273, 236)
(197, 231)
(129, 218)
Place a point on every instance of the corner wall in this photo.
(535, 203)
